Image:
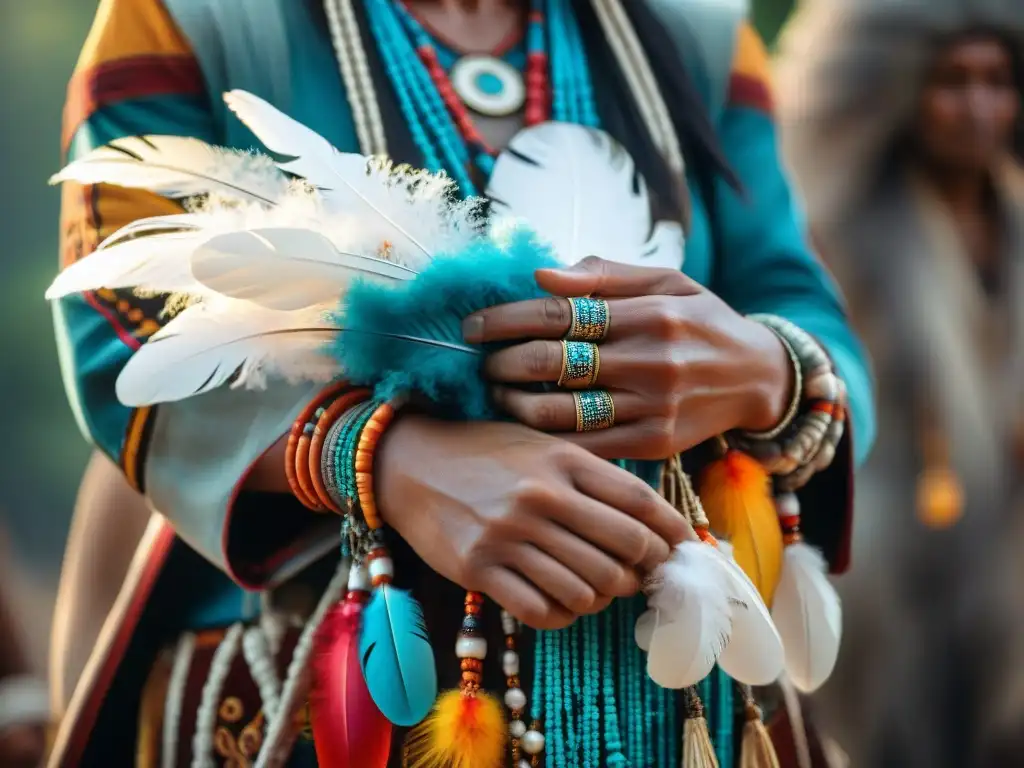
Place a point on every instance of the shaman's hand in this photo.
(680, 365)
(547, 530)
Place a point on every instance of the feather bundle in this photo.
(349, 730)
(464, 730)
(809, 615)
(701, 609)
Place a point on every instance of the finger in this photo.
(556, 411)
(613, 531)
(552, 578)
(608, 576)
(644, 439)
(625, 492)
(524, 601)
(540, 361)
(599, 277)
(535, 319)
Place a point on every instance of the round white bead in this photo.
(517, 728)
(533, 742)
(471, 648)
(515, 699)
(381, 566)
(524, 764)
(510, 663)
(358, 578)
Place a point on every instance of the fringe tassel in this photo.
(698, 751)
(756, 748)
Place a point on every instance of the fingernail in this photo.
(473, 328)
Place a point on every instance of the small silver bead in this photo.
(517, 728)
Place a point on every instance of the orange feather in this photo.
(736, 494)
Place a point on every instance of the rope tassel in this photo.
(698, 752)
(756, 748)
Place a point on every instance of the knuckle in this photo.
(556, 311)
(664, 322)
(538, 359)
(634, 542)
(532, 495)
(542, 414)
(594, 264)
(615, 581)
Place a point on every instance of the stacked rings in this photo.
(590, 319)
(581, 362)
(594, 410)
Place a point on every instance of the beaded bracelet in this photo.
(327, 417)
(369, 438)
(809, 443)
(296, 437)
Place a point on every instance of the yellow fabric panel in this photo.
(127, 28)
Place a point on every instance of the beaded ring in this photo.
(590, 319)
(581, 363)
(291, 449)
(595, 409)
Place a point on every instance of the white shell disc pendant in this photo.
(488, 85)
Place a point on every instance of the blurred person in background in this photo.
(23, 697)
(901, 119)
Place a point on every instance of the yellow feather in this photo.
(462, 731)
(736, 494)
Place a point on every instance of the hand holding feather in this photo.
(545, 529)
(683, 366)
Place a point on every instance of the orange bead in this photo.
(292, 469)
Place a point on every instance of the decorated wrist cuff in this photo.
(796, 450)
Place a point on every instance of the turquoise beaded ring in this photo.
(590, 319)
(595, 409)
(581, 362)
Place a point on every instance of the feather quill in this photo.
(809, 615)
(176, 167)
(580, 190)
(396, 657)
(208, 345)
(349, 730)
(285, 268)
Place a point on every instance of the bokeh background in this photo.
(45, 453)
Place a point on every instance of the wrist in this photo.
(770, 392)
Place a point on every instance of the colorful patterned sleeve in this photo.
(136, 76)
(769, 266)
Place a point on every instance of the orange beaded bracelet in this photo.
(291, 465)
(314, 462)
(365, 449)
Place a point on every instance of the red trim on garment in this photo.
(82, 728)
(111, 317)
(133, 77)
(750, 92)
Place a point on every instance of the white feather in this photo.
(177, 167)
(580, 191)
(754, 653)
(693, 616)
(146, 263)
(210, 344)
(809, 615)
(643, 631)
(410, 210)
(285, 268)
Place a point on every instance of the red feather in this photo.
(348, 729)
